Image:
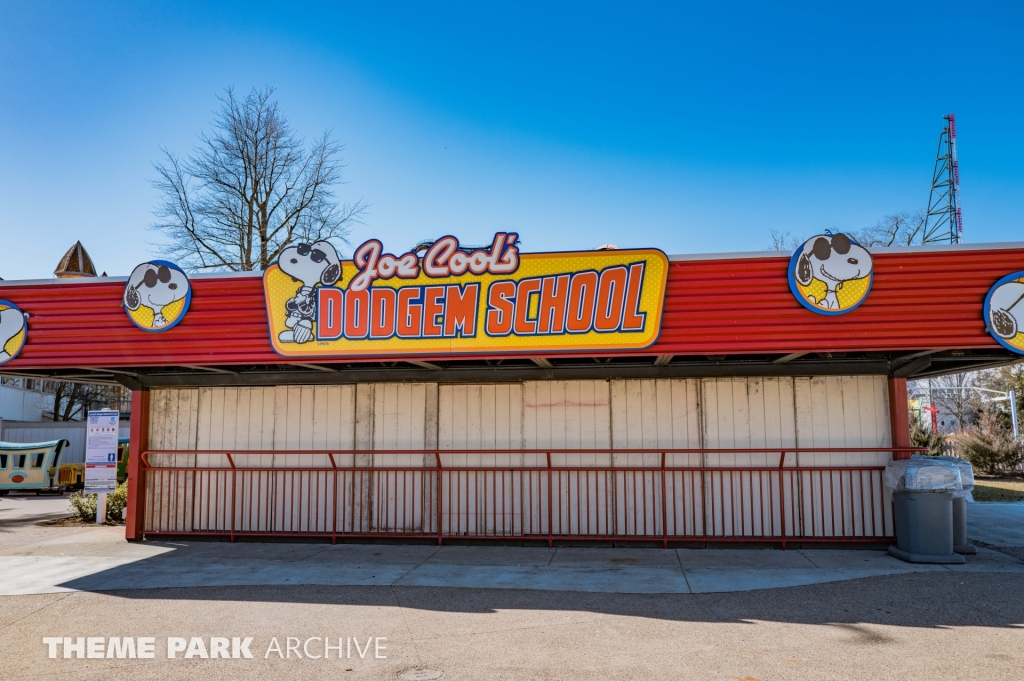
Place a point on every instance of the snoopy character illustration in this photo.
(156, 285)
(310, 265)
(12, 322)
(832, 259)
(1005, 311)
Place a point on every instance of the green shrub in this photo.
(990, 447)
(84, 505)
(919, 437)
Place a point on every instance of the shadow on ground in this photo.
(932, 599)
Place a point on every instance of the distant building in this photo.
(23, 399)
(75, 264)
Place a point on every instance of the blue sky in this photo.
(693, 128)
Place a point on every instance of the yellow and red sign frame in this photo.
(456, 301)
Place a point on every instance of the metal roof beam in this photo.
(212, 369)
(317, 367)
(496, 374)
(424, 365)
(912, 367)
(788, 358)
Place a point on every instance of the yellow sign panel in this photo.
(454, 300)
(13, 331)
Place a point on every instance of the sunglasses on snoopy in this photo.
(822, 249)
(315, 254)
(161, 274)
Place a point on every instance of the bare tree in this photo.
(250, 189)
(72, 401)
(953, 394)
(898, 229)
(782, 241)
(1005, 379)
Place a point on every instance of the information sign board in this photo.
(101, 451)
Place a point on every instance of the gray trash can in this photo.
(924, 527)
(922, 493)
(960, 543)
(960, 498)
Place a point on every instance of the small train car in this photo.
(30, 467)
(71, 476)
(122, 459)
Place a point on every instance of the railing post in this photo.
(135, 518)
(782, 498)
(664, 506)
(334, 494)
(440, 500)
(551, 528)
(234, 486)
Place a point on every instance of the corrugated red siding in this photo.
(930, 300)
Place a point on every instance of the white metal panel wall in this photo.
(833, 411)
(748, 413)
(173, 426)
(648, 414)
(531, 415)
(281, 418)
(745, 413)
(620, 414)
(396, 417)
(488, 416)
(568, 415)
(842, 411)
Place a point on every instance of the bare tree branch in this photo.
(250, 189)
(73, 401)
(898, 229)
(782, 241)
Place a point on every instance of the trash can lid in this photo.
(925, 474)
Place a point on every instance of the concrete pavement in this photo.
(56, 559)
(938, 625)
(503, 612)
(996, 524)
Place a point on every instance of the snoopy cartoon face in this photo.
(311, 265)
(1004, 312)
(157, 286)
(13, 331)
(824, 266)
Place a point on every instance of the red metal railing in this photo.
(663, 495)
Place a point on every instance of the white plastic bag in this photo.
(924, 474)
(966, 473)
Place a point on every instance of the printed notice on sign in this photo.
(458, 300)
(101, 451)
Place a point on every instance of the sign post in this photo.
(101, 458)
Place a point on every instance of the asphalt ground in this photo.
(935, 624)
(912, 626)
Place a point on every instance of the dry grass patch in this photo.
(998, 489)
(75, 521)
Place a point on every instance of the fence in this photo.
(664, 496)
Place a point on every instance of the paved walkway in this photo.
(996, 524)
(39, 560)
(545, 615)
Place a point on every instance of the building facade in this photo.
(464, 394)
